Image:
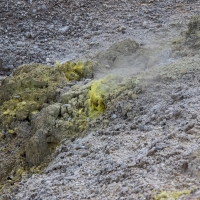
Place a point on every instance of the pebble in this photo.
(21, 44)
(28, 34)
(113, 116)
(64, 29)
(145, 24)
(43, 7)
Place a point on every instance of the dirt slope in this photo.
(139, 127)
(46, 31)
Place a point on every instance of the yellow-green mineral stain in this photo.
(12, 132)
(97, 92)
(34, 85)
(100, 92)
(171, 195)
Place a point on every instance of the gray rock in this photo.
(1, 63)
(39, 8)
(9, 67)
(159, 147)
(51, 27)
(145, 24)
(28, 34)
(21, 44)
(64, 29)
(43, 7)
(113, 116)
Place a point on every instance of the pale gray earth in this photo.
(143, 145)
(147, 146)
(46, 31)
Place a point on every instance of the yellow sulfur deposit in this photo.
(98, 90)
(33, 86)
(75, 70)
(101, 90)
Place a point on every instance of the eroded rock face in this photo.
(69, 118)
(41, 106)
(147, 132)
(44, 135)
(30, 113)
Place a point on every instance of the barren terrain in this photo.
(122, 125)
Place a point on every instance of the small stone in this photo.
(67, 105)
(159, 147)
(28, 34)
(121, 28)
(8, 67)
(48, 60)
(188, 126)
(163, 123)
(64, 29)
(21, 44)
(113, 116)
(91, 55)
(153, 168)
(145, 24)
(137, 190)
(107, 151)
(51, 27)
(84, 154)
(44, 7)
(39, 8)
(76, 18)
(77, 147)
(31, 53)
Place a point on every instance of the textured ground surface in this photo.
(149, 145)
(45, 31)
(146, 144)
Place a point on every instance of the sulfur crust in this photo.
(34, 85)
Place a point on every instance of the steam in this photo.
(127, 58)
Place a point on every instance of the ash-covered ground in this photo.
(46, 31)
(145, 145)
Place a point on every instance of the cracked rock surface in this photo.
(130, 137)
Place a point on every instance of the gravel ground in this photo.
(46, 31)
(131, 157)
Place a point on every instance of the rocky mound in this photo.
(134, 148)
(140, 132)
(42, 105)
(31, 96)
